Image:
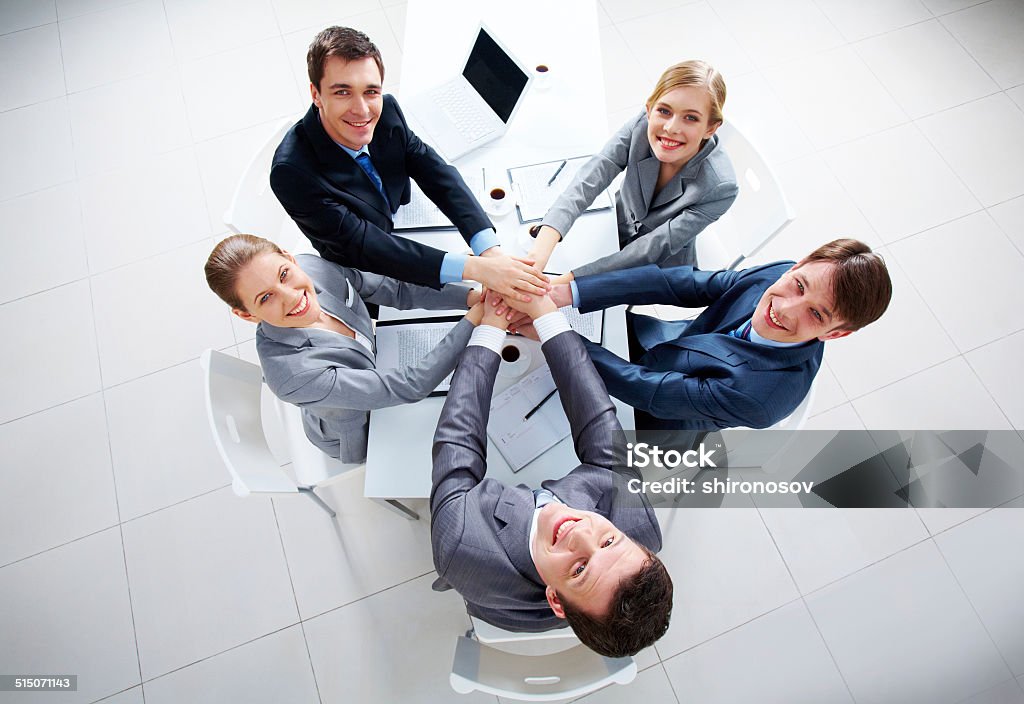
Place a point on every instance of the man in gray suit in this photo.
(580, 549)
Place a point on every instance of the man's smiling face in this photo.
(800, 306)
(350, 99)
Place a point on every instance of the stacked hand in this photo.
(511, 277)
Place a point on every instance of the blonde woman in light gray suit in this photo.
(315, 336)
(678, 179)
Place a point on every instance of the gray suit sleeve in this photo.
(592, 178)
(585, 400)
(332, 386)
(386, 291)
(460, 448)
(669, 244)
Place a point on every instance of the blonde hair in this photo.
(693, 73)
(228, 258)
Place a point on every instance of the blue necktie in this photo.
(742, 332)
(363, 159)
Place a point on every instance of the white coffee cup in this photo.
(498, 200)
(541, 77)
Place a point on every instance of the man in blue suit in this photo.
(750, 357)
(343, 170)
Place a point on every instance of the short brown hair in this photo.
(693, 73)
(345, 43)
(639, 613)
(860, 281)
(228, 258)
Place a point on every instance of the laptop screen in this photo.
(494, 75)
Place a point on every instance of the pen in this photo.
(557, 171)
(541, 403)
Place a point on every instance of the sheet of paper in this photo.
(521, 441)
(533, 194)
(586, 324)
(420, 212)
(406, 344)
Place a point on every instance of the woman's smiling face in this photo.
(677, 124)
(275, 290)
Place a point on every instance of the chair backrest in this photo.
(759, 213)
(233, 389)
(254, 208)
(568, 674)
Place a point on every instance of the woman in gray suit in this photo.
(315, 337)
(678, 179)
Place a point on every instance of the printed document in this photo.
(520, 441)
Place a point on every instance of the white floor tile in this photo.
(839, 418)
(1010, 217)
(992, 578)
(127, 122)
(942, 7)
(753, 107)
(991, 32)
(55, 362)
(238, 89)
(314, 15)
(621, 10)
(68, 610)
(781, 655)
(846, 102)
(24, 14)
(998, 366)
(206, 575)
(272, 669)
(221, 163)
(692, 31)
(92, 59)
(66, 9)
(1017, 95)
(136, 212)
(986, 153)
(396, 18)
(202, 28)
(827, 392)
(55, 492)
(49, 247)
(940, 519)
(651, 686)
(726, 571)
(187, 463)
(915, 191)
(776, 32)
(823, 545)
(1008, 692)
(824, 211)
(905, 340)
(902, 631)
(36, 144)
(156, 313)
(30, 67)
(129, 696)
(627, 85)
(975, 295)
(925, 69)
(865, 19)
(334, 562)
(408, 629)
(947, 396)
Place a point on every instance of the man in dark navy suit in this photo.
(750, 357)
(343, 171)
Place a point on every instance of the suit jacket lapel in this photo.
(514, 511)
(647, 179)
(340, 168)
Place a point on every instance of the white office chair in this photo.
(233, 392)
(562, 675)
(759, 213)
(254, 208)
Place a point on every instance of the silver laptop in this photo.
(477, 106)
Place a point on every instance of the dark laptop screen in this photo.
(494, 75)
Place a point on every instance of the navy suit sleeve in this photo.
(679, 286)
(677, 394)
(442, 184)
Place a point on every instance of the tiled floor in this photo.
(125, 557)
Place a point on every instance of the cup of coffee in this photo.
(541, 77)
(499, 200)
(510, 353)
(515, 358)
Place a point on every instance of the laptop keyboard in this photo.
(466, 118)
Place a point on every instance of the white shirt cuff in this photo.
(550, 324)
(488, 336)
